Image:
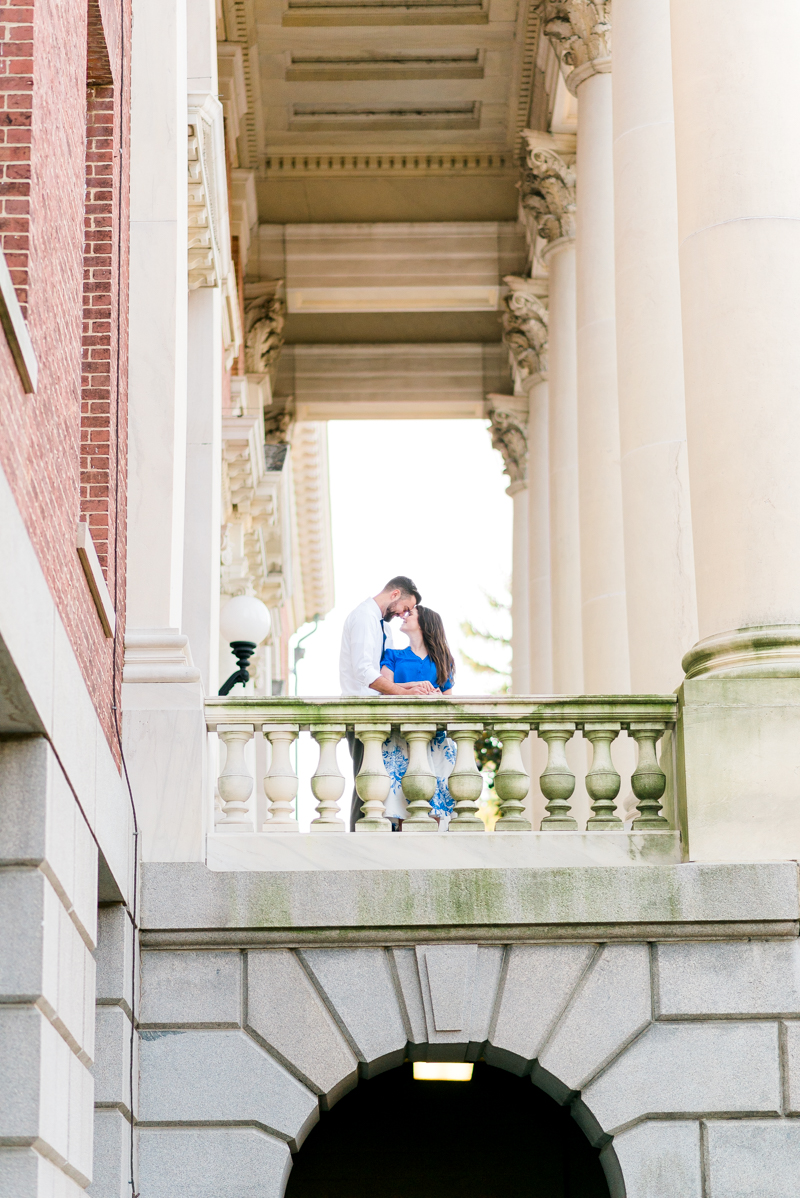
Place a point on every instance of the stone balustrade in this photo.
(599, 719)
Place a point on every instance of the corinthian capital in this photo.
(580, 33)
(509, 432)
(547, 185)
(525, 332)
(264, 316)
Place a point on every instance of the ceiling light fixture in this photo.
(441, 1071)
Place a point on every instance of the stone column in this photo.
(540, 623)
(737, 121)
(520, 633)
(547, 196)
(659, 561)
(737, 115)
(201, 550)
(525, 336)
(164, 733)
(580, 33)
(158, 316)
(508, 415)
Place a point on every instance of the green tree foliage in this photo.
(487, 747)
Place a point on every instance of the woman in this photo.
(427, 659)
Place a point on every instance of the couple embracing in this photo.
(369, 667)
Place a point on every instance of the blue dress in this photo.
(407, 667)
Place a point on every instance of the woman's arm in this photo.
(386, 685)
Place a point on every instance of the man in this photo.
(363, 640)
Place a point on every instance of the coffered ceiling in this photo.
(387, 110)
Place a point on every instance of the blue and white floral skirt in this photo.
(441, 758)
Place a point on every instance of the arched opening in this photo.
(495, 1136)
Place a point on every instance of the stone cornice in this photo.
(580, 33)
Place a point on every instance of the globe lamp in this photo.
(244, 623)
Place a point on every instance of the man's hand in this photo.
(384, 687)
(415, 688)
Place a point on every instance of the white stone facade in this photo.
(676, 1058)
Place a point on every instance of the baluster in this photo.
(328, 781)
(648, 780)
(511, 781)
(373, 783)
(557, 781)
(281, 783)
(419, 783)
(602, 780)
(465, 782)
(235, 782)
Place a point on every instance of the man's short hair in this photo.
(401, 583)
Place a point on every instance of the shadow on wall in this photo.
(495, 1136)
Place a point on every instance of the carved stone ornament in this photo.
(524, 332)
(580, 33)
(547, 189)
(510, 435)
(264, 318)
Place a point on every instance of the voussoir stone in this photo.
(722, 1067)
(286, 1012)
(611, 1004)
(661, 1158)
(538, 982)
(220, 1077)
(360, 994)
(488, 970)
(192, 987)
(215, 1162)
(407, 978)
(753, 1157)
(752, 978)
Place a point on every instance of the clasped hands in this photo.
(416, 688)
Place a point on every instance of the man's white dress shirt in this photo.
(362, 648)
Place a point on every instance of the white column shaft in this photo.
(737, 126)
(158, 290)
(520, 655)
(659, 562)
(201, 548)
(540, 632)
(605, 628)
(565, 545)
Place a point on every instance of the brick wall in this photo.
(73, 277)
(16, 96)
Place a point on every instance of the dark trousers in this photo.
(357, 753)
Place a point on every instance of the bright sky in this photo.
(424, 498)
(419, 497)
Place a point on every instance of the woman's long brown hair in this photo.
(432, 629)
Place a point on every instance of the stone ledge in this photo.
(186, 903)
(287, 852)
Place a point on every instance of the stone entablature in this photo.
(266, 998)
